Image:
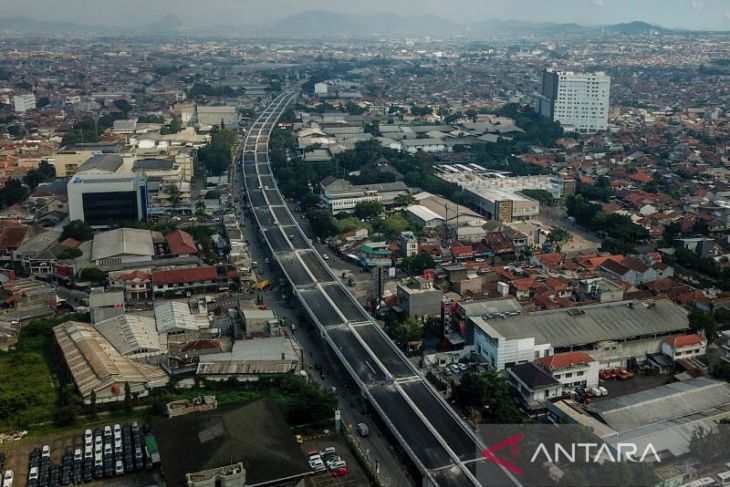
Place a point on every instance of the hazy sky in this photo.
(695, 14)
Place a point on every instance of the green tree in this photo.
(200, 210)
(373, 129)
(558, 235)
(489, 394)
(173, 127)
(44, 172)
(431, 327)
(93, 274)
(700, 227)
(704, 322)
(415, 264)
(174, 193)
(404, 200)
(368, 209)
(321, 222)
(70, 253)
(77, 230)
(127, 398)
(217, 155)
(123, 105)
(721, 370)
(12, 192)
(409, 330)
(574, 478)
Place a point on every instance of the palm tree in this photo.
(200, 209)
(174, 193)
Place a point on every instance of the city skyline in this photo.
(687, 14)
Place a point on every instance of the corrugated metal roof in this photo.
(131, 334)
(590, 324)
(174, 315)
(122, 241)
(96, 365)
(667, 402)
(423, 213)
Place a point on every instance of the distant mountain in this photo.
(524, 25)
(636, 27)
(317, 23)
(168, 24)
(320, 23)
(24, 24)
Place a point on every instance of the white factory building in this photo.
(499, 196)
(611, 333)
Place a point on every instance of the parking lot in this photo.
(62, 448)
(355, 475)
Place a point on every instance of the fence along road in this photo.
(442, 446)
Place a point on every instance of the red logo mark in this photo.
(511, 441)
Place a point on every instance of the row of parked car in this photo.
(8, 475)
(327, 459)
(116, 450)
(107, 452)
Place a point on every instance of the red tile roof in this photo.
(642, 177)
(550, 260)
(130, 276)
(556, 284)
(524, 284)
(685, 340)
(11, 237)
(71, 243)
(461, 250)
(190, 274)
(566, 359)
(181, 243)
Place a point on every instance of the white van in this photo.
(363, 429)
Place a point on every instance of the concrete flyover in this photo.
(441, 445)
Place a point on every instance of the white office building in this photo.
(24, 103)
(320, 88)
(499, 197)
(104, 199)
(579, 101)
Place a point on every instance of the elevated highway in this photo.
(441, 445)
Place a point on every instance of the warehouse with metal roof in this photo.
(176, 317)
(123, 245)
(611, 332)
(132, 335)
(665, 416)
(97, 366)
(265, 355)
